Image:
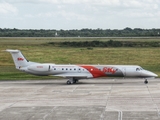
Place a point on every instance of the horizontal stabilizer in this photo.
(11, 51)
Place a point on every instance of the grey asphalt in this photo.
(96, 99)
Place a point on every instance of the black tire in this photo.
(146, 82)
(68, 82)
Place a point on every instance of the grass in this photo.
(35, 49)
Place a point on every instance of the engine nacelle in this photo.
(39, 67)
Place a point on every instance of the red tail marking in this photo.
(20, 59)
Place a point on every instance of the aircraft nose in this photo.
(149, 74)
(153, 74)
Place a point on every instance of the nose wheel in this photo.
(146, 81)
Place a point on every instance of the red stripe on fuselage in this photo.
(94, 71)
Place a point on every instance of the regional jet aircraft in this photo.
(77, 72)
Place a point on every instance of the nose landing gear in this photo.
(146, 81)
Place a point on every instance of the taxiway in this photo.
(96, 99)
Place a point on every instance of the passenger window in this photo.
(66, 69)
(62, 69)
(54, 68)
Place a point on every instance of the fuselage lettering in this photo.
(109, 70)
(39, 66)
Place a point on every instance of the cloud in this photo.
(6, 8)
(80, 13)
(102, 6)
(143, 4)
(127, 3)
(73, 16)
(84, 2)
(22, 1)
(69, 16)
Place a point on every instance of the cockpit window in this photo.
(141, 68)
(138, 69)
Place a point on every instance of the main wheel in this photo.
(68, 82)
(75, 81)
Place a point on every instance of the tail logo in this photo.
(20, 59)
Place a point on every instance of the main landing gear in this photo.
(72, 81)
(146, 81)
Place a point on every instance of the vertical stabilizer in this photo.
(18, 58)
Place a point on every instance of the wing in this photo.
(74, 75)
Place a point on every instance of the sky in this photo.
(79, 14)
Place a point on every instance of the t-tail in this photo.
(19, 59)
(22, 64)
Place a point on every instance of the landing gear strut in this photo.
(146, 81)
(72, 81)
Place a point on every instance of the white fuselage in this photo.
(87, 71)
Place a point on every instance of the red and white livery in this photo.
(77, 72)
